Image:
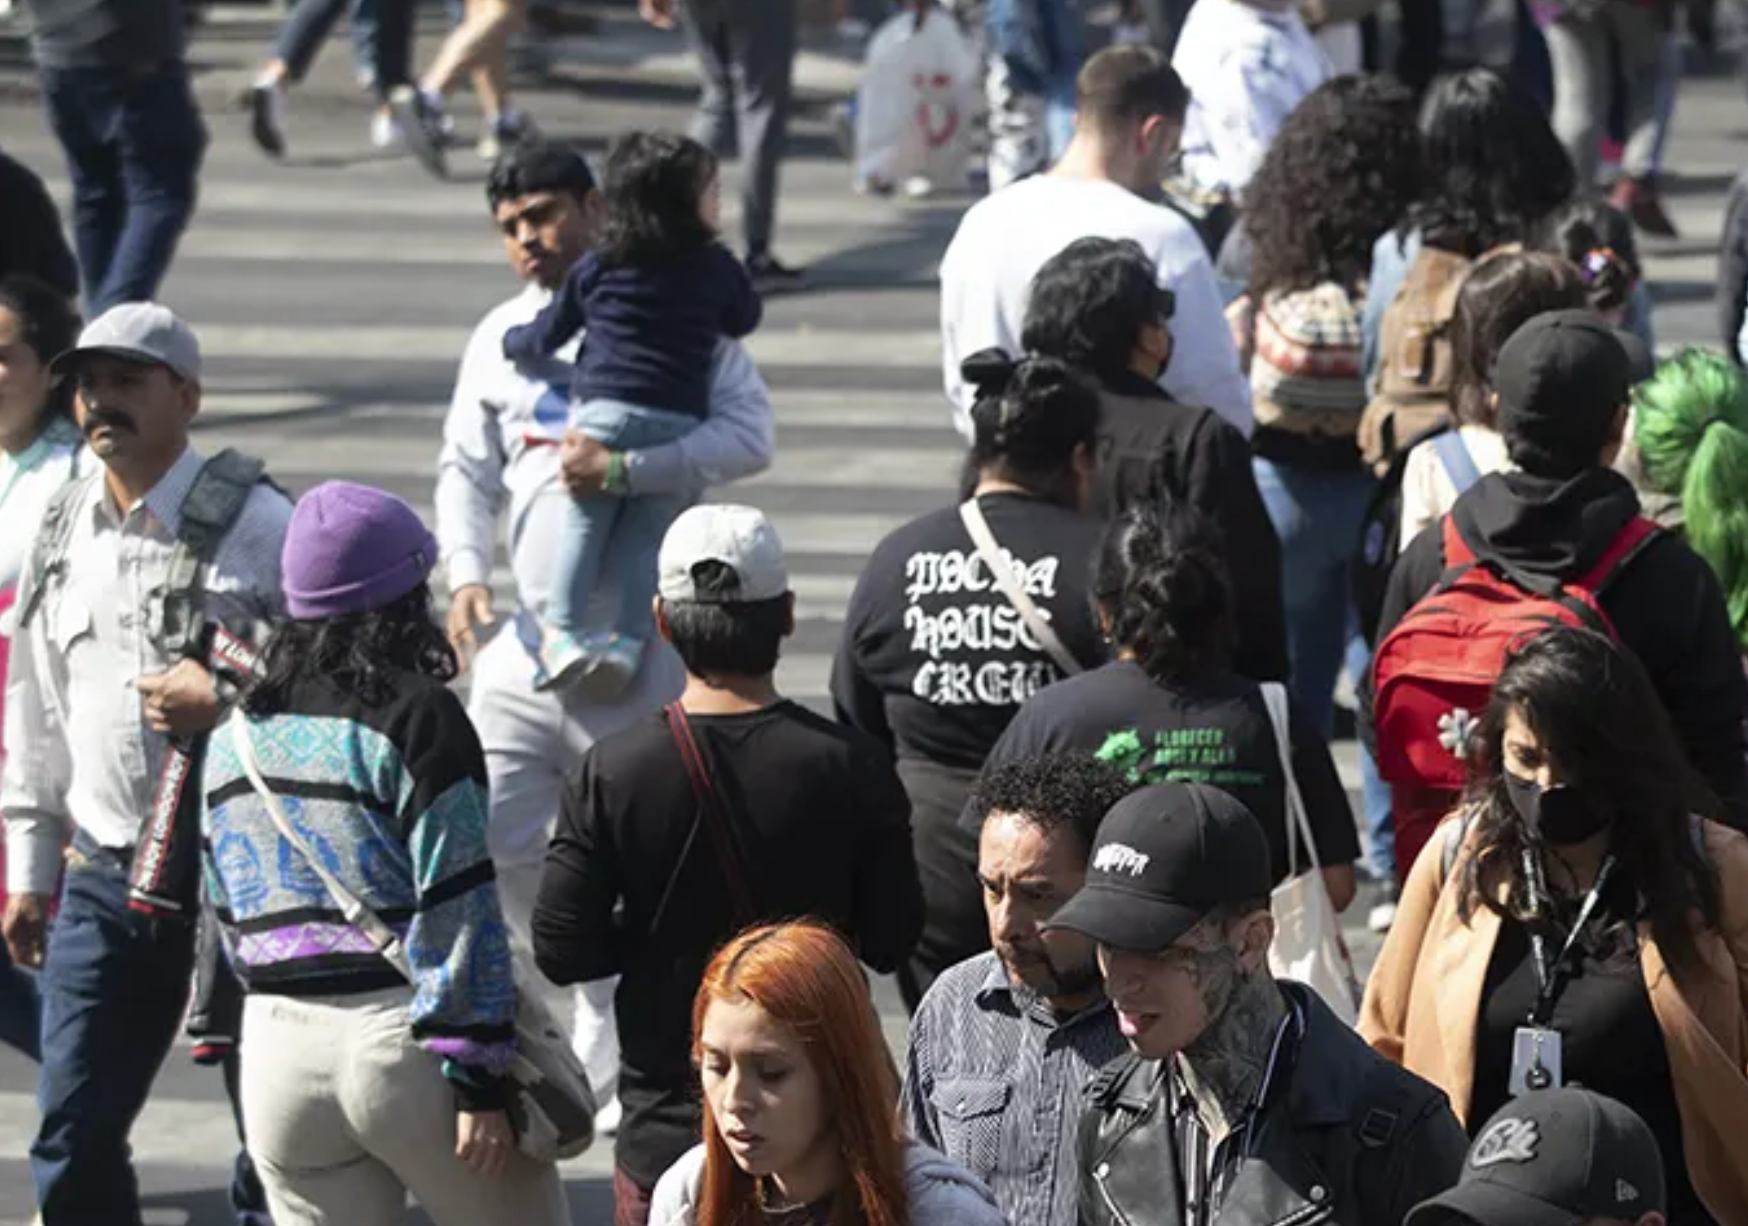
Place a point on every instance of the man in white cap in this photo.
(108, 698)
(733, 806)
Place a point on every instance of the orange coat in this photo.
(1423, 1005)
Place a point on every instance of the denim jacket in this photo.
(1039, 40)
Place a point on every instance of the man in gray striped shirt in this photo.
(1004, 1044)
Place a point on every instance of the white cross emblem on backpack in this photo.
(1455, 728)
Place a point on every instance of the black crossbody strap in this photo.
(712, 815)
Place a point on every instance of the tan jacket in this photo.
(1423, 1005)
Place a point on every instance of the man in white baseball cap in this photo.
(732, 806)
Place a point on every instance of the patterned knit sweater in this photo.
(393, 800)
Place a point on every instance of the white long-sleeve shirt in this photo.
(1004, 239)
(499, 448)
(1247, 68)
(79, 749)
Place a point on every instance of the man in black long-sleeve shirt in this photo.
(116, 88)
(814, 813)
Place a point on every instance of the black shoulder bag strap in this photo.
(713, 817)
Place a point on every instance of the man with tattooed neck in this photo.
(1244, 1100)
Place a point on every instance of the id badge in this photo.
(1535, 1060)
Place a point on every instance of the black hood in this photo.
(1546, 526)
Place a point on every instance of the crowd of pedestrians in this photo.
(1267, 373)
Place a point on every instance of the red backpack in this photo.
(1433, 673)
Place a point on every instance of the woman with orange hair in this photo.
(801, 1121)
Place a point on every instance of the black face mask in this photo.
(1558, 815)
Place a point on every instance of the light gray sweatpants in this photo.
(1579, 49)
(346, 1115)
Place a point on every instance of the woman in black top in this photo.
(935, 659)
(1580, 833)
(1170, 706)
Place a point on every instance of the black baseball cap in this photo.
(1554, 1158)
(1563, 376)
(1165, 857)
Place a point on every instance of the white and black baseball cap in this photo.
(1554, 1158)
(136, 332)
(736, 537)
(1165, 858)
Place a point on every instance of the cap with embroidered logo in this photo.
(1554, 1158)
(1165, 858)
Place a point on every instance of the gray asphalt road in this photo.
(333, 294)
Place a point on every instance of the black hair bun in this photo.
(989, 371)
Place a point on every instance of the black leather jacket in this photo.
(1349, 1138)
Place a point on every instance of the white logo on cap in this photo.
(1510, 1140)
(1625, 1192)
(1120, 858)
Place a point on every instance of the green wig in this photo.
(1692, 432)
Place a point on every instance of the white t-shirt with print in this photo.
(1247, 68)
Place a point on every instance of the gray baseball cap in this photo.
(137, 332)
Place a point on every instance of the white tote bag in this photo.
(1308, 947)
(916, 101)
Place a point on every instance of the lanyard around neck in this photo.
(1551, 978)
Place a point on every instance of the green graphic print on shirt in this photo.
(1178, 755)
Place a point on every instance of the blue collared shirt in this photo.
(996, 1080)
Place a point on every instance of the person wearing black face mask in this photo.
(1580, 920)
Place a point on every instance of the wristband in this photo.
(618, 478)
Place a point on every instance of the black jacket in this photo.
(1666, 606)
(1732, 291)
(1347, 1138)
(1152, 448)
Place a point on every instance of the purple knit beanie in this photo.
(350, 549)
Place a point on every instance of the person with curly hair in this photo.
(1491, 172)
(1341, 172)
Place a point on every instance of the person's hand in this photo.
(26, 926)
(659, 13)
(582, 462)
(470, 608)
(483, 1140)
(181, 702)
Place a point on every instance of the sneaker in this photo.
(771, 275)
(612, 661)
(506, 131)
(1382, 916)
(1640, 200)
(385, 133)
(563, 659)
(420, 119)
(267, 118)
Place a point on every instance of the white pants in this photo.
(533, 742)
(346, 1115)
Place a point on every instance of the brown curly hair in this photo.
(1342, 170)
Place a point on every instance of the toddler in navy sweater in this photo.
(656, 298)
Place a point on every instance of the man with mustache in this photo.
(1003, 1043)
(103, 692)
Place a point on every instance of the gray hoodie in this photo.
(942, 1193)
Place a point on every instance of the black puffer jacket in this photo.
(1346, 1138)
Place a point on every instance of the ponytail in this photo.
(1692, 432)
(1163, 587)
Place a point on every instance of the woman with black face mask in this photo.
(1579, 920)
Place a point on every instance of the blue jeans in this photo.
(114, 988)
(1317, 515)
(134, 142)
(20, 1008)
(611, 538)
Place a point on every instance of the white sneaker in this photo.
(385, 133)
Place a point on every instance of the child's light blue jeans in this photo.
(614, 540)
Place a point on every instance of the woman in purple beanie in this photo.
(360, 1083)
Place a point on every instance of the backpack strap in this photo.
(48, 556)
(1454, 455)
(1458, 555)
(214, 504)
(1627, 545)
